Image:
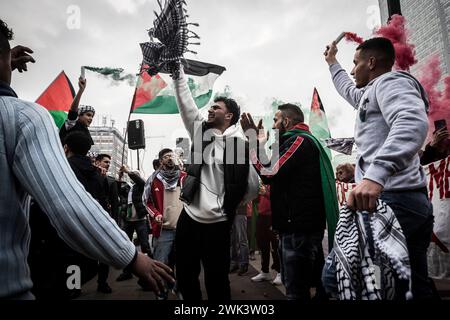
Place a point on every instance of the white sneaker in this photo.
(277, 281)
(262, 276)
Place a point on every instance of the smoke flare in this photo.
(397, 33)
(115, 74)
(350, 36)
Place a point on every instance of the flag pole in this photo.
(126, 130)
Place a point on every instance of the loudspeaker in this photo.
(136, 135)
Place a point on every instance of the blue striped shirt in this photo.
(32, 162)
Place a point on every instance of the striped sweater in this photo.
(32, 162)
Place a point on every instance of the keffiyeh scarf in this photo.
(354, 265)
(169, 178)
(171, 29)
(84, 109)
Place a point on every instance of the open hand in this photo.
(152, 272)
(247, 124)
(20, 57)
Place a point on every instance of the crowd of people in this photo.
(199, 212)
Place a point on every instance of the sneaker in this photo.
(104, 288)
(124, 276)
(277, 281)
(262, 276)
(243, 270)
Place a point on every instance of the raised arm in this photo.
(72, 117)
(41, 168)
(188, 109)
(344, 85)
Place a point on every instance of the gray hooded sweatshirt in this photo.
(391, 127)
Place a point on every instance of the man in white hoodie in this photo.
(219, 178)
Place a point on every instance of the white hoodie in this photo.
(207, 205)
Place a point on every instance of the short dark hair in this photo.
(381, 48)
(293, 112)
(6, 34)
(156, 164)
(232, 107)
(163, 152)
(101, 156)
(78, 142)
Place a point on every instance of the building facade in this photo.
(428, 22)
(110, 141)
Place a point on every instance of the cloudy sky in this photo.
(271, 48)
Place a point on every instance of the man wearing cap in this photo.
(79, 118)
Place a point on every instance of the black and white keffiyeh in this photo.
(84, 109)
(341, 145)
(171, 29)
(354, 265)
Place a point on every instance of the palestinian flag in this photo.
(155, 95)
(57, 98)
(318, 123)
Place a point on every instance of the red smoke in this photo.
(350, 36)
(397, 33)
(430, 75)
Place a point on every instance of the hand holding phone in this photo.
(82, 74)
(440, 124)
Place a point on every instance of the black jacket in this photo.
(296, 189)
(49, 256)
(113, 198)
(235, 173)
(90, 178)
(138, 190)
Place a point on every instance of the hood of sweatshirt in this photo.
(404, 74)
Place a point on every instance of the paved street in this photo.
(242, 288)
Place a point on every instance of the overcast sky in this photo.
(271, 48)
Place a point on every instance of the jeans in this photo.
(165, 252)
(239, 242)
(141, 231)
(299, 255)
(267, 242)
(414, 212)
(165, 247)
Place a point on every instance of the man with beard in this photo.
(162, 199)
(219, 177)
(302, 197)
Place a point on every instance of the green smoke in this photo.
(115, 74)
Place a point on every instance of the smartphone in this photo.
(82, 74)
(439, 124)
